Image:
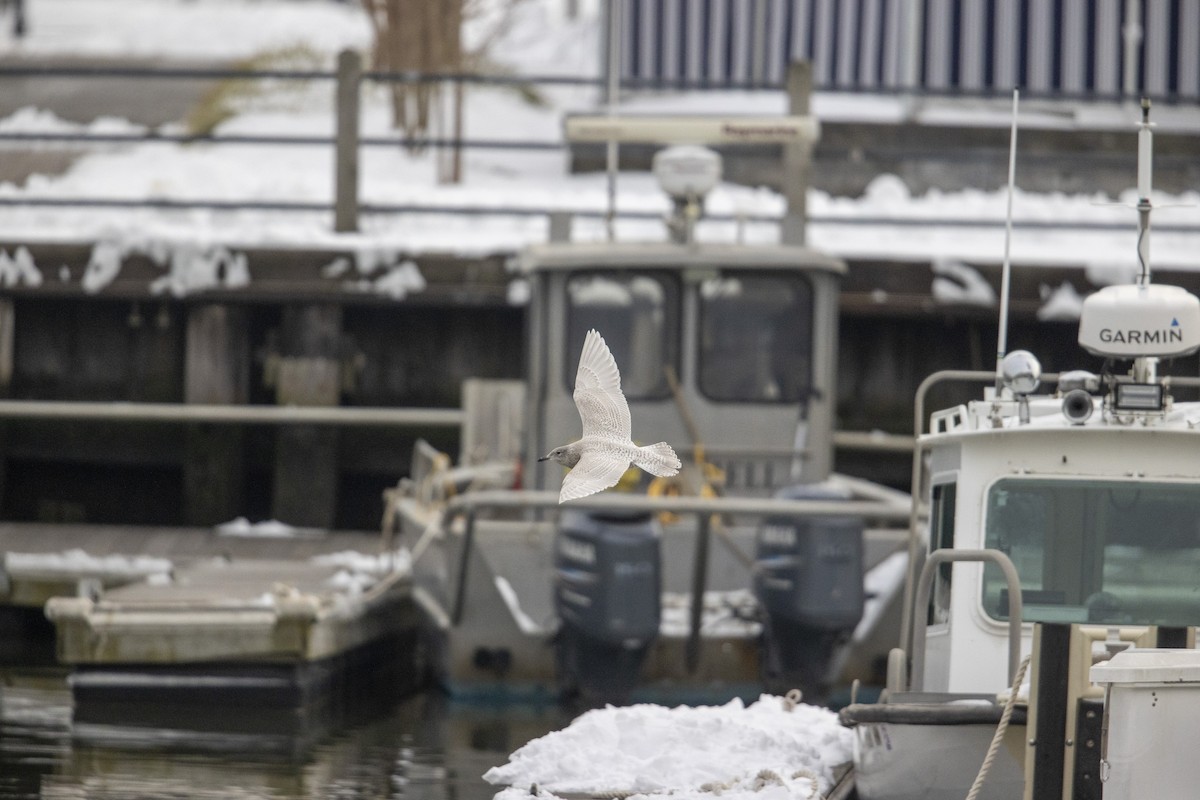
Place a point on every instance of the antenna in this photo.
(613, 96)
(1006, 270)
(1145, 173)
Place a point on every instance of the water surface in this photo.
(425, 747)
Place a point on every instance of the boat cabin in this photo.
(1091, 493)
(731, 347)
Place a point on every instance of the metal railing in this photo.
(470, 504)
(230, 414)
(347, 205)
(1015, 607)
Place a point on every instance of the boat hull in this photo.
(928, 760)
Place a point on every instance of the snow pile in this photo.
(189, 266)
(78, 561)
(758, 751)
(270, 529)
(731, 613)
(1063, 304)
(44, 121)
(360, 571)
(18, 269)
(185, 29)
(956, 283)
(370, 563)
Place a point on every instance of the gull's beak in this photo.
(544, 458)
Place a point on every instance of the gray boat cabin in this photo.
(729, 346)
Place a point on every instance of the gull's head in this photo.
(567, 455)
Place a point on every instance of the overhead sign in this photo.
(681, 129)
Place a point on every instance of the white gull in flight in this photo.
(606, 449)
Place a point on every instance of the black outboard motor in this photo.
(607, 592)
(809, 582)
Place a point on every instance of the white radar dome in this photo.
(687, 170)
(1133, 321)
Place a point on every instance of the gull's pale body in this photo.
(606, 449)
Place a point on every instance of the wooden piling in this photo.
(216, 371)
(306, 456)
(797, 158)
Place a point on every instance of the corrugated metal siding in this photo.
(1049, 47)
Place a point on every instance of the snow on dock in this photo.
(771, 749)
(258, 608)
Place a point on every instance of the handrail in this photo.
(136, 411)
(627, 82)
(469, 504)
(1015, 607)
(914, 533)
(229, 414)
(534, 499)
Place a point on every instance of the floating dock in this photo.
(304, 634)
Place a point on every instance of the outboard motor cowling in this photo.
(809, 583)
(608, 596)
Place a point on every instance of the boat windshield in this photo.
(1096, 551)
(638, 315)
(755, 338)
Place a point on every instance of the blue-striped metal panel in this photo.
(1052, 47)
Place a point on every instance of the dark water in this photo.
(423, 747)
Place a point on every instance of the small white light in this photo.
(1022, 372)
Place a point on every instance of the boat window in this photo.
(1103, 552)
(756, 338)
(942, 536)
(638, 316)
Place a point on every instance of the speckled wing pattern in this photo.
(596, 471)
(602, 406)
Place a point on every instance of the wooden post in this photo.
(345, 204)
(19, 28)
(306, 456)
(7, 334)
(7, 340)
(797, 158)
(216, 371)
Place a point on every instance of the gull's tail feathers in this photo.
(658, 459)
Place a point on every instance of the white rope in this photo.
(994, 747)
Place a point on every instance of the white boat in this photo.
(747, 567)
(1074, 514)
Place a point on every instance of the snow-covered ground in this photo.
(540, 41)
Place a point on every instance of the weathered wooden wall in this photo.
(307, 341)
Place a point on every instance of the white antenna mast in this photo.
(1006, 270)
(1145, 174)
(613, 96)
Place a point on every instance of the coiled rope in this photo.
(994, 747)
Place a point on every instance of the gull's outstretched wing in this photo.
(598, 397)
(595, 472)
